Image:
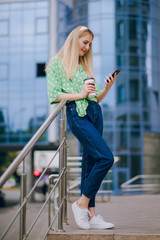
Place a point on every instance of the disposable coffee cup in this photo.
(92, 82)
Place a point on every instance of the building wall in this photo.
(127, 38)
(24, 47)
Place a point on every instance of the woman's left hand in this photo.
(110, 80)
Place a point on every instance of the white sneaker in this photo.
(99, 223)
(81, 216)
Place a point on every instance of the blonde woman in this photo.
(65, 79)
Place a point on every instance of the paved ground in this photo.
(131, 214)
(139, 214)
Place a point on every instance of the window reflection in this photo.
(20, 51)
(3, 71)
(135, 168)
(134, 90)
(121, 138)
(121, 94)
(120, 29)
(4, 27)
(135, 141)
(42, 25)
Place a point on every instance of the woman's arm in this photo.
(87, 88)
(109, 84)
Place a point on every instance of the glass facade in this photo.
(127, 38)
(24, 50)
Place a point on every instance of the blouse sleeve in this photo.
(54, 80)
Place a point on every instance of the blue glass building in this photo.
(127, 38)
(24, 50)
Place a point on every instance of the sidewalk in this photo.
(135, 217)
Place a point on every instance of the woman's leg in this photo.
(91, 139)
(87, 165)
(95, 146)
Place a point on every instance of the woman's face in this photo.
(84, 44)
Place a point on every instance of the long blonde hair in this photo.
(69, 53)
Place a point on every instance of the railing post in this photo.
(61, 166)
(23, 192)
(109, 186)
(49, 202)
(65, 165)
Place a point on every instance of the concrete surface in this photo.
(136, 217)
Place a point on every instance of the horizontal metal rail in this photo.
(128, 186)
(11, 169)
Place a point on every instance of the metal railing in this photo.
(61, 180)
(142, 183)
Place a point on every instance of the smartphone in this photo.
(117, 71)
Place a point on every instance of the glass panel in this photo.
(133, 6)
(28, 20)
(135, 168)
(120, 29)
(15, 67)
(4, 27)
(40, 70)
(134, 117)
(146, 116)
(42, 4)
(42, 25)
(4, 7)
(108, 137)
(16, 23)
(40, 12)
(121, 141)
(96, 44)
(121, 94)
(122, 177)
(135, 141)
(97, 61)
(134, 61)
(29, 5)
(145, 8)
(134, 90)
(123, 162)
(16, 6)
(133, 29)
(93, 8)
(107, 115)
(4, 44)
(96, 25)
(3, 71)
(121, 60)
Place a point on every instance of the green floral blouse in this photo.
(58, 83)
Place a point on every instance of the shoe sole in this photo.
(96, 227)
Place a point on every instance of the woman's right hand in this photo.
(87, 88)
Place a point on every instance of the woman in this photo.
(65, 79)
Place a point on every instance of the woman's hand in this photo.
(87, 88)
(110, 80)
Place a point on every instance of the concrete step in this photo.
(102, 237)
(136, 217)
